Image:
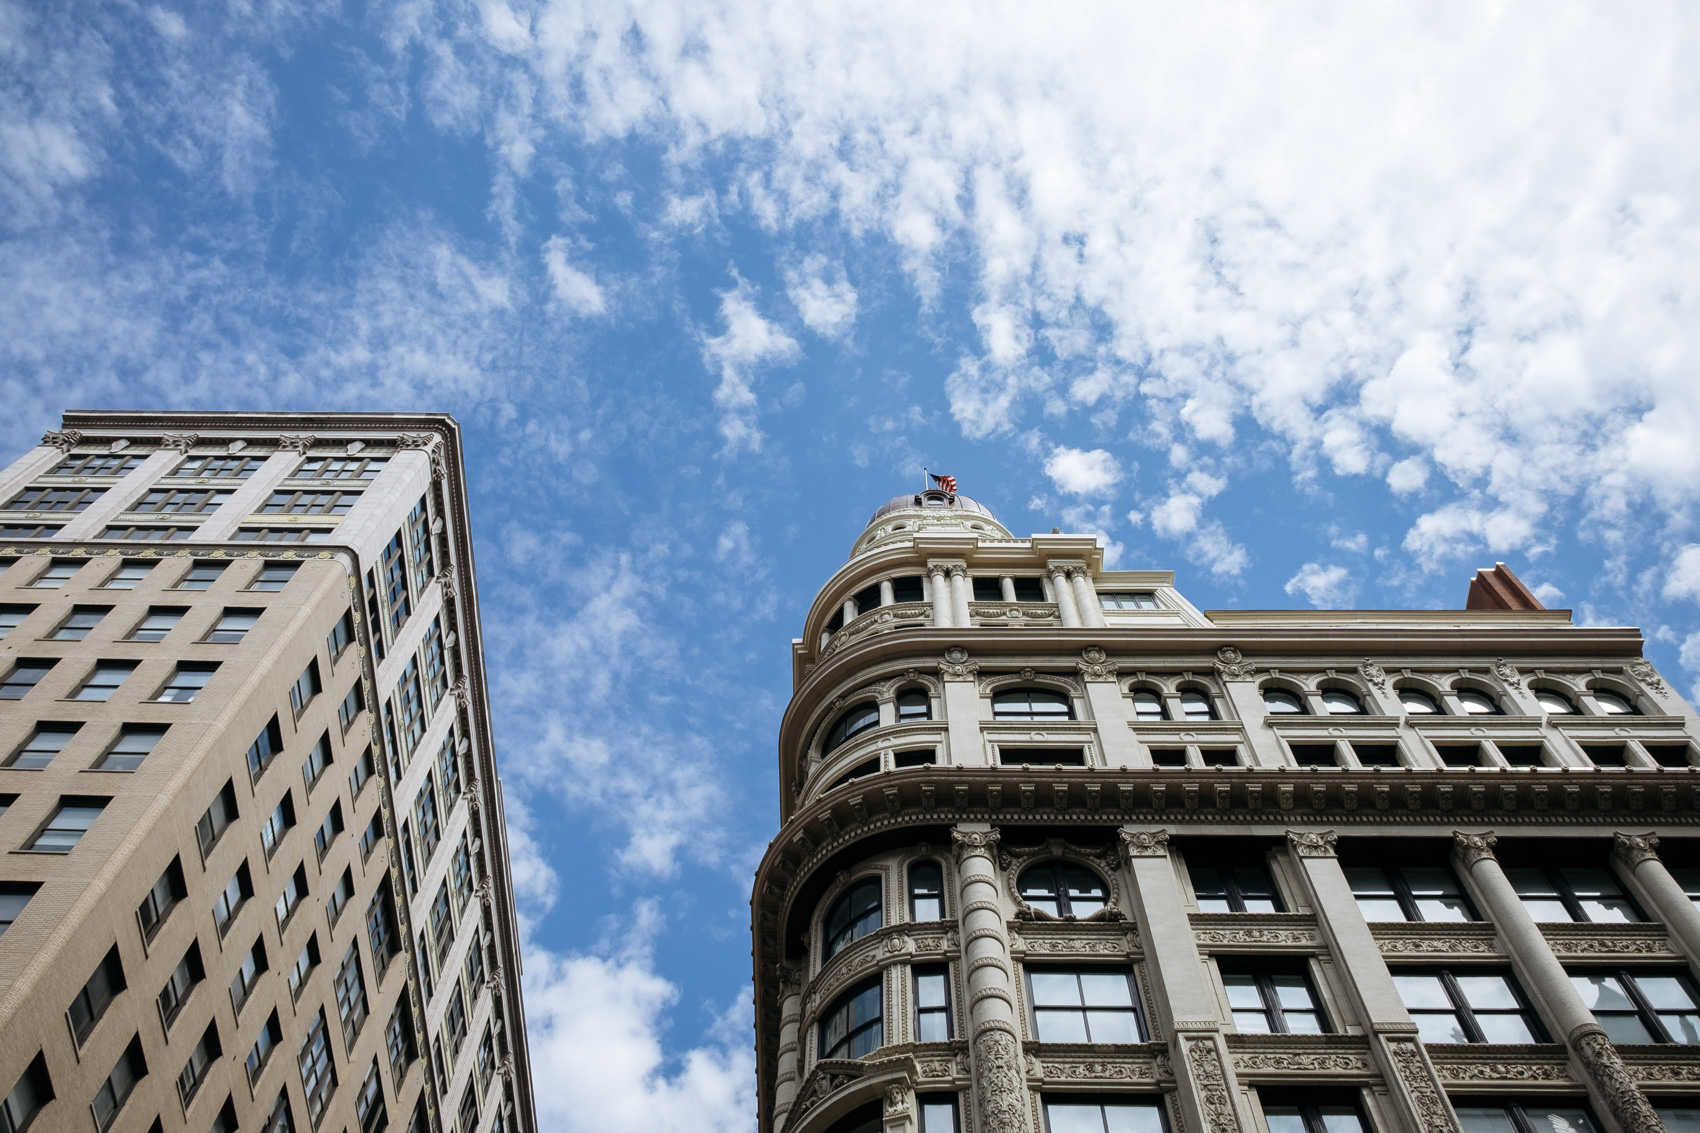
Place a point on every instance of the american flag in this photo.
(948, 483)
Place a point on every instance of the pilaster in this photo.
(1000, 1089)
(959, 679)
(1636, 859)
(1098, 674)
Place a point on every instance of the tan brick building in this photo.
(253, 871)
(1062, 853)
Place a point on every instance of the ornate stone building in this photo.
(1062, 853)
(253, 869)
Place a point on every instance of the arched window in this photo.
(853, 723)
(1478, 703)
(1148, 705)
(851, 1027)
(1196, 705)
(1418, 703)
(856, 914)
(1614, 703)
(1063, 890)
(1339, 702)
(926, 892)
(1031, 704)
(914, 704)
(1554, 702)
(1280, 702)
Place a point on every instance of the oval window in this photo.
(1418, 703)
(853, 723)
(1280, 702)
(1339, 702)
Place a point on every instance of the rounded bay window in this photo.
(1042, 704)
(858, 719)
(914, 704)
(853, 1026)
(1060, 889)
(853, 916)
(1283, 702)
(1339, 702)
(1416, 702)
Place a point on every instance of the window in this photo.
(318, 1076)
(394, 567)
(182, 980)
(398, 1039)
(1613, 703)
(96, 995)
(34, 1089)
(371, 836)
(1031, 704)
(341, 468)
(127, 576)
(410, 706)
(115, 1091)
(41, 498)
(853, 916)
(1477, 703)
(12, 616)
(455, 1019)
(187, 682)
(45, 742)
(351, 996)
(306, 687)
(57, 574)
(369, 1104)
(1287, 1112)
(310, 503)
(328, 830)
(1339, 702)
(98, 464)
(231, 898)
(913, 704)
(341, 635)
(1554, 703)
(219, 467)
(1674, 1119)
(1196, 705)
(475, 966)
(1272, 999)
(194, 1071)
(448, 770)
(1408, 893)
(25, 675)
(133, 744)
(14, 895)
(1063, 890)
(78, 622)
(30, 530)
(1559, 1116)
(304, 965)
(179, 502)
(201, 576)
(468, 1115)
(364, 769)
(1642, 1007)
(1071, 1114)
(283, 534)
(408, 870)
(1569, 893)
(294, 892)
(486, 1058)
(851, 1028)
(381, 931)
(147, 534)
(860, 718)
(1466, 1005)
(220, 813)
(374, 620)
(1084, 1005)
(350, 708)
(161, 899)
(248, 974)
(277, 824)
(460, 872)
(159, 621)
(1148, 706)
(282, 1118)
(442, 922)
(436, 662)
(1137, 600)
(915, 757)
(103, 680)
(340, 897)
(1234, 889)
(264, 749)
(273, 577)
(63, 829)
(425, 821)
(271, 1033)
(1281, 702)
(317, 761)
(926, 891)
(233, 625)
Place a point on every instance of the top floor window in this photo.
(1641, 1006)
(219, 467)
(1234, 889)
(1195, 705)
(1408, 893)
(1339, 702)
(1416, 702)
(1282, 702)
(341, 468)
(1063, 890)
(1614, 703)
(853, 916)
(1129, 600)
(419, 534)
(1554, 703)
(858, 719)
(1571, 893)
(1474, 702)
(907, 589)
(98, 464)
(913, 704)
(40, 498)
(176, 501)
(1148, 705)
(395, 582)
(1031, 704)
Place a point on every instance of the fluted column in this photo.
(1637, 858)
(1411, 1079)
(1086, 597)
(1615, 1094)
(959, 594)
(941, 596)
(1000, 1088)
(790, 1015)
(1066, 608)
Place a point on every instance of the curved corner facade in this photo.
(1061, 852)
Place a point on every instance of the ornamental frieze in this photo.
(1641, 941)
(1526, 1062)
(1219, 931)
(1436, 940)
(1271, 1057)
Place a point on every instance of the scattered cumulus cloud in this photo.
(748, 342)
(575, 291)
(823, 297)
(1083, 473)
(1325, 587)
(1683, 579)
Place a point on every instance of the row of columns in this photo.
(1077, 600)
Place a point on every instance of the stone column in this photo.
(1064, 593)
(1185, 1005)
(850, 610)
(1000, 1087)
(960, 592)
(887, 594)
(1594, 1059)
(1086, 597)
(1415, 1088)
(941, 596)
(1006, 584)
(785, 1082)
(1636, 857)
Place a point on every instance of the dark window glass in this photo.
(1272, 999)
(217, 818)
(1234, 889)
(1561, 1115)
(24, 675)
(45, 742)
(1063, 890)
(913, 704)
(1312, 1112)
(988, 590)
(248, 974)
(907, 589)
(1572, 893)
(866, 599)
(14, 895)
(161, 899)
(231, 898)
(852, 1027)
(180, 983)
(926, 891)
(1031, 704)
(1084, 1005)
(853, 916)
(1467, 1005)
(1642, 1006)
(32, 1091)
(204, 1053)
(1408, 893)
(1029, 590)
(854, 722)
(351, 1003)
(96, 995)
(78, 622)
(264, 749)
(271, 1034)
(932, 1004)
(115, 1091)
(318, 1076)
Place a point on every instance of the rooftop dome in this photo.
(931, 510)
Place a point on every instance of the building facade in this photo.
(253, 868)
(1061, 853)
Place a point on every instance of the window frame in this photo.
(915, 892)
(1141, 1028)
(842, 1004)
(1058, 868)
(1029, 715)
(1263, 972)
(1521, 1122)
(1153, 1101)
(1566, 894)
(947, 1011)
(1463, 1011)
(832, 943)
(1406, 898)
(843, 720)
(40, 666)
(1231, 890)
(1642, 1007)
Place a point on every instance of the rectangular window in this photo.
(398, 1040)
(1079, 1005)
(985, 590)
(43, 498)
(282, 1118)
(448, 770)
(340, 468)
(363, 771)
(233, 625)
(305, 688)
(127, 576)
(408, 869)
(394, 567)
(454, 1019)
(1268, 998)
(187, 682)
(1467, 1005)
(436, 663)
(103, 680)
(119, 1084)
(201, 1058)
(486, 1058)
(1408, 893)
(159, 621)
(25, 674)
(282, 535)
(419, 535)
(96, 995)
(231, 898)
(340, 897)
(216, 819)
(1130, 600)
(304, 965)
(182, 980)
(294, 892)
(273, 577)
(1560, 1115)
(14, 895)
(853, 1026)
(45, 742)
(277, 824)
(12, 616)
(98, 464)
(1563, 893)
(57, 574)
(932, 1004)
(475, 967)
(177, 501)
(369, 1105)
(201, 576)
(310, 503)
(30, 1094)
(318, 760)
(442, 922)
(248, 974)
(66, 826)
(351, 996)
(1311, 1111)
(425, 821)
(460, 873)
(1234, 889)
(271, 1033)
(341, 636)
(328, 830)
(161, 899)
(318, 1076)
(468, 1114)
(218, 467)
(1640, 1006)
(938, 1114)
(264, 749)
(134, 743)
(425, 974)
(410, 706)
(352, 705)
(79, 622)
(373, 621)
(381, 930)
(371, 836)
(30, 530)
(147, 534)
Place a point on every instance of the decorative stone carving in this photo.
(1094, 1071)
(179, 442)
(298, 443)
(1435, 946)
(967, 843)
(896, 1099)
(1503, 1072)
(998, 1081)
(1472, 848)
(1600, 1058)
(416, 440)
(1633, 849)
(1095, 665)
(1374, 674)
(1145, 843)
(1313, 843)
(1303, 1061)
(956, 666)
(1298, 937)
(1642, 670)
(1205, 1062)
(1508, 673)
(1421, 1087)
(63, 441)
(1104, 859)
(1231, 665)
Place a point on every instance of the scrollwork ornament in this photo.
(998, 1077)
(1472, 848)
(1211, 1081)
(1600, 1058)
(1642, 670)
(1231, 665)
(956, 666)
(415, 441)
(1313, 843)
(1508, 673)
(967, 843)
(1374, 674)
(1633, 849)
(1420, 1085)
(1095, 665)
(1145, 843)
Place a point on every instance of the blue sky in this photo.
(1330, 307)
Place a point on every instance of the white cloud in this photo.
(1408, 476)
(1083, 473)
(827, 306)
(749, 341)
(1326, 587)
(1683, 579)
(576, 291)
(1547, 594)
